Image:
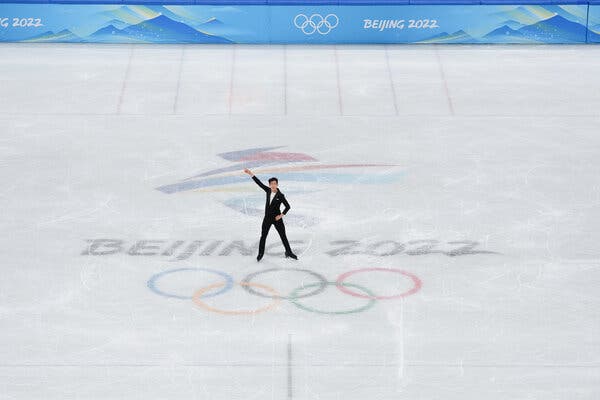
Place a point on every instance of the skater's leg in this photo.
(266, 225)
(281, 230)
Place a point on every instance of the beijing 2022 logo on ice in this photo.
(358, 285)
(287, 166)
(316, 23)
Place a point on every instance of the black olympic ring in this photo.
(321, 286)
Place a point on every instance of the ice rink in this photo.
(445, 208)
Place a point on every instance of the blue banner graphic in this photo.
(594, 22)
(300, 23)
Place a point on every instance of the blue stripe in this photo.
(307, 2)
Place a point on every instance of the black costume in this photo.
(271, 211)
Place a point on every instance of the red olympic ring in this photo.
(416, 281)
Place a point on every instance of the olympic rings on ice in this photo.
(314, 287)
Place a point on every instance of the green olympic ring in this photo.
(295, 299)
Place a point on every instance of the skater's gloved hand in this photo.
(278, 217)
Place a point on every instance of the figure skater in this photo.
(273, 215)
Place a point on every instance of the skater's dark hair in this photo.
(273, 179)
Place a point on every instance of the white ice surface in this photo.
(498, 145)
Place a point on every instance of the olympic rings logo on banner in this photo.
(318, 285)
(316, 23)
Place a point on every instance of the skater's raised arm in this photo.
(258, 182)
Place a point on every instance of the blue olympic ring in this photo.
(152, 282)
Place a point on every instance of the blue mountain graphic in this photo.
(555, 29)
(567, 13)
(445, 37)
(503, 31)
(521, 14)
(107, 30)
(135, 14)
(160, 29)
(118, 23)
(112, 34)
(513, 24)
(63, 36)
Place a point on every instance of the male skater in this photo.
(272, 215)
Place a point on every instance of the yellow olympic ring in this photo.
(196, 298)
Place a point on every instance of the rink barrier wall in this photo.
(294, 21)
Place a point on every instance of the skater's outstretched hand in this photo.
(246, 170)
